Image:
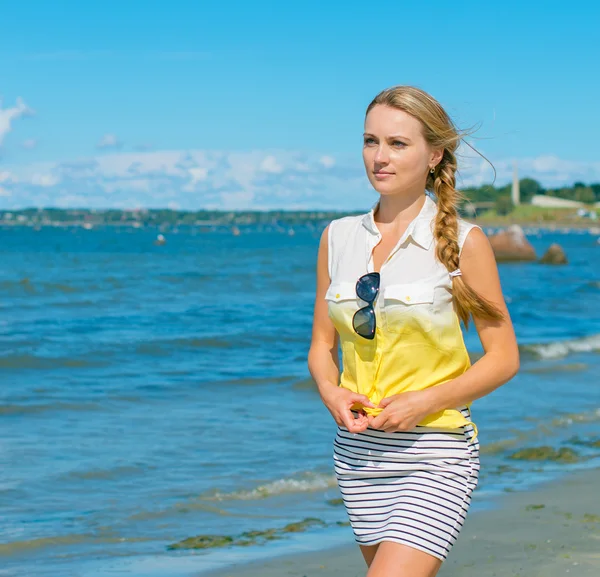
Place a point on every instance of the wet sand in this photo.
(550, 531)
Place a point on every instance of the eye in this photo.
(398, 142)
(367, 140)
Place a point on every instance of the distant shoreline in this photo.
(545, 225)
(525, 215)
(484, 223)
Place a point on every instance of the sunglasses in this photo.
(363, 321)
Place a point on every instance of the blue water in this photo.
(155, 393)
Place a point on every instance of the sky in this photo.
(260, 105)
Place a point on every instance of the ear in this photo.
(436, 156)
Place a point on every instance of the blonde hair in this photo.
(439, 132)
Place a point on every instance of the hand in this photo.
(401, 412)
(339, 401)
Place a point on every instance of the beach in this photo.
(550, 531)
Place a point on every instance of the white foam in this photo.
(311, 482)
(560, 349)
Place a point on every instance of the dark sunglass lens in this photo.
(367, 287)
(364, 322)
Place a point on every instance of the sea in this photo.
(158, 418)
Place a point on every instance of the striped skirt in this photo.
(412, 487)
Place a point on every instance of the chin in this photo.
(384, 187)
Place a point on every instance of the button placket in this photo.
(370, 247)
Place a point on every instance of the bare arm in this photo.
(500, 363)
(323, 362)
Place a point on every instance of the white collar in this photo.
(419, 229)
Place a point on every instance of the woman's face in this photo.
(396, 155)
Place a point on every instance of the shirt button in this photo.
(337, 296)
(407, 298)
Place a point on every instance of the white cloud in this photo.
(44, 179)
(270, 164)
(71, 201)
(130, 185)
(198, 174)
(7, 115)
(239, 200)
(327, 161)
(196, 179)
(549, 170)
(109, 141)
(6, 176)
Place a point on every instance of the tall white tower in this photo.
(516, 195)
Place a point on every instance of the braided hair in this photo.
(439, 132)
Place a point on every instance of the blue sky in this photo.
(261, 104)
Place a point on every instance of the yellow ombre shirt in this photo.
(418, 342)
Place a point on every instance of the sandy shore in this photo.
(553, 530)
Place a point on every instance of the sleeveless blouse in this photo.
(418, 340)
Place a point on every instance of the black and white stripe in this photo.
(411, 487)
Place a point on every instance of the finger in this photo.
(404, 426)
(361, 420)
(387, 400)
(348, 419)
(379, 421)
(361, 427)
(363, 399)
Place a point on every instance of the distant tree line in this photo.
(528, 187)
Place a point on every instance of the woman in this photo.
(392, 285)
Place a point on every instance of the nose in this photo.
(381, 154)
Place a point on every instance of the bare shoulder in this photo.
(477, 260)
(476, 244)
(480, 272)
(323, 259)
(323, 253)
(325, 235)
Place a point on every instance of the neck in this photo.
(399, 208)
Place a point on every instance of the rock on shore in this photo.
(512, 245)
(554, 255)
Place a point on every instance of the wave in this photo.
(542, 429)
(559, 349)
(306, 482)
